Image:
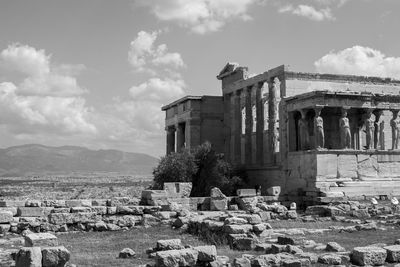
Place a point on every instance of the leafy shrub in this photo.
(203, 167)
(175, 167)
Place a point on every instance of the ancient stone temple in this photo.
(318, 136)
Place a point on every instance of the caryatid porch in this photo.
(343, 120)
(344, 143)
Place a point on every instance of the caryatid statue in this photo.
(319, 129)
(395, 125)
(345, 134)
(303, 131)
(379, 133)
(369, 129)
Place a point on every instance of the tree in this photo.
(202, 166)
(175, 167)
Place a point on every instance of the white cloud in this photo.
(25, 59)
(47, 100)
(159, 90)
(42, 104)
(308, 12)
(40, 77)
(141, 115)
(359, 60)
(200, 16)
(163, 58)
(48, 114)
(143, 53)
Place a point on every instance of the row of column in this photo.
(374, 129)
(233, 122)
(183, 135)
(175, 138)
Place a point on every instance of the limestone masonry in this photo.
(318, 136)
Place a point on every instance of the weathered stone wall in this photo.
(78, 214)
(265, 177)
(344, 173)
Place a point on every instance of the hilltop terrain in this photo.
(38, 159)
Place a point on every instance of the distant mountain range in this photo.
(38, 159)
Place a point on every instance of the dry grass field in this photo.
(73, 186)
(102, 248)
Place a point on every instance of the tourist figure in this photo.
(369, 129)
(345, 135)
(319, 129)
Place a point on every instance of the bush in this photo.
(203, 167)
(175, 167)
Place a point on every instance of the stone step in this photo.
(366, 190)
(376, 183)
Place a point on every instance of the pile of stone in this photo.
(42, 249)
(351, 209)
(78, 215)
(171, 253)
(375, 256)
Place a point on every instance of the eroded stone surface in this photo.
(368, 256)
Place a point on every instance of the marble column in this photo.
(248, 126)
(227, 126)
(170, 139)
(273, 135)
(260, 125)
(238, 127)
(180, 137)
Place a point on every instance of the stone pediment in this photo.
(229, 68)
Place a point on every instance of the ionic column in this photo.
(248, 126)
(260, 125)
(227, 126)
(180, 137)
(170, 139)
(274, 96)
(238, 127)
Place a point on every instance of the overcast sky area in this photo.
(95, 73)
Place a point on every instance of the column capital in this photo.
(303, 112)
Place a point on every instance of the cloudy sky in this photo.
(95, 73)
